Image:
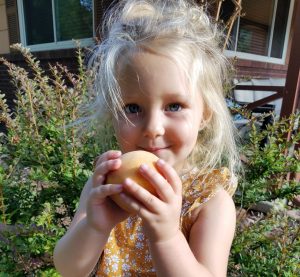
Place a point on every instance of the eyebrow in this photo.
(134, 94)
(178, 95)
(168, 97)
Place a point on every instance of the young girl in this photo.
(159, 78)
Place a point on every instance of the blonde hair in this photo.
(182, 31)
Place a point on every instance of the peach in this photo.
(131, 162)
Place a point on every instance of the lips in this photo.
(154, 149)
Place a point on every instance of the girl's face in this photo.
(165, 116)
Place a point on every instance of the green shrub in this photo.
(269, 158)
(270, 247)
(43, 163)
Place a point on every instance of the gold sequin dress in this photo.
(126, 252)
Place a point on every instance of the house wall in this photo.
(244, 68)
(255, 73)
(4, 41)
(66, 57)
(254, 69)
(263, 70)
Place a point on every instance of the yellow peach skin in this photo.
(131, 162)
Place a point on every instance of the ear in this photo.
(207, 116)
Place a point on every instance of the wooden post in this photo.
(291, 92)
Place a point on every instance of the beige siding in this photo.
(4, 41)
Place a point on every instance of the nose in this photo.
(154, 125)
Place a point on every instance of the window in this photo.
(262, 32)
(54, 24)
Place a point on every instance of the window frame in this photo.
(262, 58)
(56, 45)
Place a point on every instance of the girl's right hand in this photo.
(101, 212)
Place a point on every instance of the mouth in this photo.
(154, 150)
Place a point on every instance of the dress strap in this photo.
(199, 190)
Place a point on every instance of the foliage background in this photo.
(44, 165)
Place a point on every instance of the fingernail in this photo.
(128, 181)
(144, 167)
(161, 162)
(116, 161)
(116, 153)
(97, 180)
(118, 187)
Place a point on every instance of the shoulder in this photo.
(218, 206)
(211, 181)
(200, 189)
(219, 210)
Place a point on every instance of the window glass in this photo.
(73, 19)
(282, 14)
(38, 21)
(255, 27)
(261, 30)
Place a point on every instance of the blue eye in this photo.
(174, 107)
(132, 108)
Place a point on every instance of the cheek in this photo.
(187, 129)
(191, 122)
(125, 134)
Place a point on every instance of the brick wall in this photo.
(255, 69)
(65, 57)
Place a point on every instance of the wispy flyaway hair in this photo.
(182, 31)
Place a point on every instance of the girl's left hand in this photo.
(161, 213)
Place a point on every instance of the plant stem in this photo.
(32, 111)
(2, 204)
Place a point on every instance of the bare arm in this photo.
(213, 232)
(175, 258)
(208, 249)
(78, 251)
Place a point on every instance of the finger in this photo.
(144, 197)
(134, 206)
(97, 180)
(158, 181)
(171, 176)
(111, 154)
(104, 168)
(106, 190)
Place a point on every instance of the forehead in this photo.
(146, 71)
